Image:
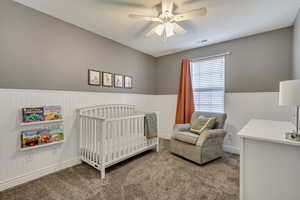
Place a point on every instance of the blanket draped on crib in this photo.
(150, 127)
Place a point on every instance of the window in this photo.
(208, 84)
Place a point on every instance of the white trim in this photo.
(65, 92)
(242, 170)
(38, 173)
(41, 122)
(231, 149)
(212, 56)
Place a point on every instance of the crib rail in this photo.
(109, 111)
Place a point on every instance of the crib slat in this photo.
(89, 139)
(128, 136)
(80, 135)
(124, 141)
(108, 141)
(119, 145)
(113, 133)
(131, 136)
(142, 130)
(86, 137)
(95, 141)
(140, 133)
(111, 138)
(136, 136)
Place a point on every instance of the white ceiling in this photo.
(226, 20)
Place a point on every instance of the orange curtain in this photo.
(185, 99)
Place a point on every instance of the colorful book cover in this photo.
(52, 112)
(31, 138)
(33, 114)
(57, 134)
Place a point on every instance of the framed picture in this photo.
(107, 79)
(94, 77)
(128, 82)
(119, 81)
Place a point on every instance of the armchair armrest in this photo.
(212, 134)
(216, 133)
(179, 128)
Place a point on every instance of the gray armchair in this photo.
(199, 148)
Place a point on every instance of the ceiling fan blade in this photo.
(178, 28)
(152, 31)
(145, 18)
(146, 27)
(190, 14)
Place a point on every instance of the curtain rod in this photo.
(212, 56)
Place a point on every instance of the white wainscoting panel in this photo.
(166, 105)
(21, 166)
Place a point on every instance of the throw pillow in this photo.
(202, 123)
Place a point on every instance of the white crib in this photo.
(112, 133)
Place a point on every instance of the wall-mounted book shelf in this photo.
(41, 122)
(43, 145)
(41, 127)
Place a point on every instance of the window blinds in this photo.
(208, 83)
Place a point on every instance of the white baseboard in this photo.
(231, 149)
(38, 173)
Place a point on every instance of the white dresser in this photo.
(269, 164)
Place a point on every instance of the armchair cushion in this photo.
(186, 136)
(201, 123)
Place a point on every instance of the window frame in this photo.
(208, 89)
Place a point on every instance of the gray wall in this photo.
(40, 52)
(296, 57)
(256, 64)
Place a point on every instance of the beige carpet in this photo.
(149, 176)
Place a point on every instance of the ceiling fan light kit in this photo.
(165, 30)
(167, 21)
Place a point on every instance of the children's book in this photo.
(29, 138)
(33, 114)
(57, 134)
(52, 112)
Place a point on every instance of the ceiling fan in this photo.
(167, 20)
